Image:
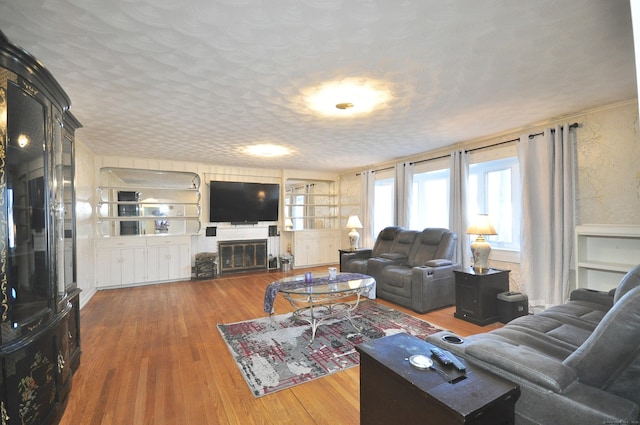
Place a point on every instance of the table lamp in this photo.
(480, 248)
(288, 224)
(354, 223)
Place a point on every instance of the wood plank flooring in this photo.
(152, 355)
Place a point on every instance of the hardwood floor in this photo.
(152, 355)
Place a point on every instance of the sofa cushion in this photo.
(551, 330)
(431, 244)
(397, 280)
(583, 314)
(356, 265)
(403, 242)
(384, 242)
(393, 256)
(522, 361)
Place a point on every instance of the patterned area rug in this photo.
(273, 353)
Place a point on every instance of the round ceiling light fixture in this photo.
(347, 98)
(266, 150)
(345, 105)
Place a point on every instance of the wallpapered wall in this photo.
(609, 167)
(608, 170)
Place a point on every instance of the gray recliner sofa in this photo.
(576, 363)
(356, 261)
(413, 269)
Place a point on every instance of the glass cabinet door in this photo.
(25, 229)
(57, 206)
(69, 200)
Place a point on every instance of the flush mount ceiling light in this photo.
(266, 150)
(348, 97)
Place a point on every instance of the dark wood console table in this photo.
(394, 392)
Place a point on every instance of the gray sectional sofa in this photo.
(576, 363)
(411, 268)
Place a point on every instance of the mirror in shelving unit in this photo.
(311, 204)
(148, 202)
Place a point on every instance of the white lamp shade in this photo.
(354, 222)
(288, 224)
(481, 225)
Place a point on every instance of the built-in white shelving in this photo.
(604, 254)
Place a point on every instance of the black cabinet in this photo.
(39, 334)
(73, 330)
(477, 294)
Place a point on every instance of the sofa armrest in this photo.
(432, 287)
(360, 253)
(438, 263)
(523, 362)
(591, 295)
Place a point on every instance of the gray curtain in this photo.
(367, 191)
(547, 165)
(403, 190)
(458, 216)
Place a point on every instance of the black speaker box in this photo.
(273, 230)
(211, 231)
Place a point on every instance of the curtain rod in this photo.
(377, 171)
(531, 136)
(429, 159)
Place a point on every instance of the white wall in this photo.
(85, 219)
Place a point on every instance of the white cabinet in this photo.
(138, 260)
(315, 247)
(168, 258)
(119, 262)
(604, 254)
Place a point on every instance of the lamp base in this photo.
(354, 237)
(480, 249)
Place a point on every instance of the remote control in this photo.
(441, 357)
(455, 362)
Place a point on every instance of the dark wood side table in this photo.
(477, 294)
(394, 392)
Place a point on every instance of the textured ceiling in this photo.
(197, 80)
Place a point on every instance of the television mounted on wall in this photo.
(243, 203)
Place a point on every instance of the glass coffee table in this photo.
(323, 298)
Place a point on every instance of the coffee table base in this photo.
(317, 310)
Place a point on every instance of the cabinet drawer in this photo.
(120, 242)
(168, 240)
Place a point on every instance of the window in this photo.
(430, 199)
(384, 202)
(494, 189)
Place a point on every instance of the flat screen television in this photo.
(243, 203)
